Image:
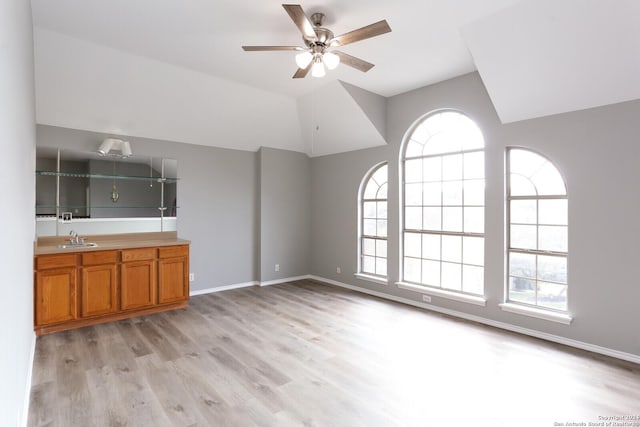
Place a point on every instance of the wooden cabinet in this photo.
(99, 283)
(138, 278)
(173, 268)
(55, 290)
(86, 288)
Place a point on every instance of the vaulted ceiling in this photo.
(174, 69)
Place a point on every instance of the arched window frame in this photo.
(380, 271)
(543, 255)
(476, 145)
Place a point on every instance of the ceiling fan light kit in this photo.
(315, 56)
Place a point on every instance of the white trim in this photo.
(634, 358)
(285, 280)
(374, 279)
(456, 296)
(538, 313)
(222, 288)
(27, 391)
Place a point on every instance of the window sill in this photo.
(373, 279)
(470, 299)
(537, 313)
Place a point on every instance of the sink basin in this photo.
(77, 245)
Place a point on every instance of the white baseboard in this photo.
(222, 288)
(285, 280)
(27, 391)
(525, 331)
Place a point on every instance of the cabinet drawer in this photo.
(55, 261)
(173, 251)
(101, 257)
(138, 254)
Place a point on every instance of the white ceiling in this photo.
(175, 70)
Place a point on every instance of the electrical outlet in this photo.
(426, 298)
(338, 270)
(277, 267)
(192, 277)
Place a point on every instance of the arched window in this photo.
(373, 223)
(537, 233)
(443, 205)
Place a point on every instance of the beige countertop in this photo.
(49, 245)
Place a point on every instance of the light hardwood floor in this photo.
(308, 354)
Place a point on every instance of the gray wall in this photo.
(285, 195)
(597, 151)
(17, 164)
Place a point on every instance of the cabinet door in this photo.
(55, 296)
(173, 280)
(99, 290)
(138, 284)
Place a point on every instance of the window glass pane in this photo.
(422, 132)
(473, 250)
(369, 209)
(441, 142)
(553, 212)
(552, 268)
(474, 220)
(369, 264)
(474, 165)
(381, 266)
(452, 193)
(414, 148)
(369, 228)
(412, 271)
(470, 134)
(472, 279)
(368, 247)
(431, 273)
(382, 228)
(523, 236)
(452, 167)
(552, 295)
(382, 192)
(451, 276)
(525, 162)
(371, 190)
(474, 192)
(522, 290)
(552, 238)
(522, 265)
(413, 170)
(432, 220)
(452, 219)
(431, 169)
(452, 248)
(548, 181)
(413, 218)
(412, 245)
(521, 186)
(382, 210)
(432, 194)
(380, 175)
(413, 194)
(431, 246)
(381, 248)
(524, 211)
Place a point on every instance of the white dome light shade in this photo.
(304, 59)
(331, 60)
(317, 70)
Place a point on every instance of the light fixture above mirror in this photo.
(121, 148)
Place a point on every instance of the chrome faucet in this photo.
(75, 239)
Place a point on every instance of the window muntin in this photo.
(538, 231)
(443, 204)
(373, 222)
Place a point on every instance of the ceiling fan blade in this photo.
(352, 61)
(261, 48)
(302, 72)
(300, 19)
(372, 30)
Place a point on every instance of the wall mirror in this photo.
(93, 194)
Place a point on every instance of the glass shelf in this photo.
(114, 206)
(104, 176)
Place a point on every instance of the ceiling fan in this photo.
(318, 40)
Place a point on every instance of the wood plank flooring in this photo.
(307, 354)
